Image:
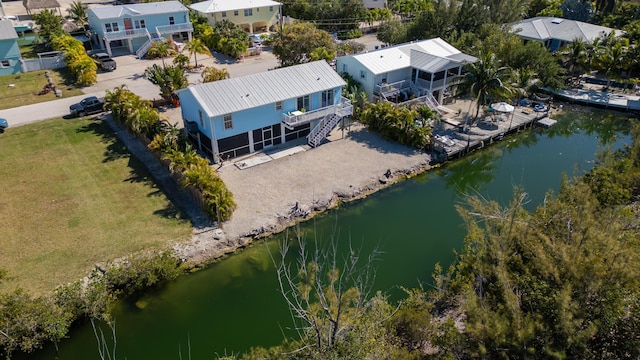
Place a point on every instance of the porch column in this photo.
(131, 46)
(282, 132)
(252, 148)
(189, 35)
(431, 82)
(108, 45)
(444, 81)
(214, 144)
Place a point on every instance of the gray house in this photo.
(554, 33)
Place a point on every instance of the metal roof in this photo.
(401, 56)
(544, 28)
(7, 32)
(163, 7)
(214, 6)
(236, 94)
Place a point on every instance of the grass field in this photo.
(27, 85)
(71, 196)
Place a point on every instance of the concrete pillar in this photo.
(108, 45)
(189, 35)
(130, 41)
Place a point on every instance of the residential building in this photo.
(9, 51)
(424, 70)
(233, 117)
(135, 27)
(375, 4)
(554, 32)
(254, 16)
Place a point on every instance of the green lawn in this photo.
(25, 87)
(71, 196)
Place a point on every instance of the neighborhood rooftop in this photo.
(163, 7)
(236, 94)
(7, 32)
(543, 28)
(430, 55)
(214, 6)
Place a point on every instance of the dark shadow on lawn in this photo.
(115, 148)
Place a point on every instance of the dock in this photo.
(453, 137)
(600, 99)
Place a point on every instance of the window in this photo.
(224, 14)
(270, 8)
(278, 105)
(107, 27)
(327, 98)
(139, 24)
(303, 103)
(201, 116)
(235, 12)
(363, 75)
(228, 121)
(112, 27)
(172, 20)
(5, 63)
(344, 67)
(248, 12)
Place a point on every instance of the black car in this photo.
(104, 62)
(90, 105)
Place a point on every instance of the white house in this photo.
(420, 69)
(554, 33)
(254, 16)
(233, 117)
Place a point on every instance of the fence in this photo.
(46, 61)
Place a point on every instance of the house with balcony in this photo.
(238, 116)
(555, 32)
(418, 71)
(135, 27)
(9, 51)
(254, 16)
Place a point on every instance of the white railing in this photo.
(298, 118)
(170, 29)
(428, 99)
(125, 34)
(389, 88)
(320, 132)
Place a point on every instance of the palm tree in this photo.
(575, 58)
(485, 80)
(161, 49)
(211, 73)
(611, 59)
(194, 47)
(77, 12)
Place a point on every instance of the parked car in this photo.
(3, 124)
(90, 105)
(104, 62)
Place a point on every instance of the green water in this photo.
(235, 304)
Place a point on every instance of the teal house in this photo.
(229, 118)
(133, 28)
(9, 51)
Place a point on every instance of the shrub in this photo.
(83, 68)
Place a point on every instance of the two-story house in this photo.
(254, 16)
(422, 69)
(9, 51)
(135, 27)
(233, 117)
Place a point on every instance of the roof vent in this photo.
(557, 21)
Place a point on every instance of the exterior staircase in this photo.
(151, 38)
(320, 132)
(432, 102)
(414, 89)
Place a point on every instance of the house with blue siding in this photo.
(233, 117)
(254, 16)
(9, 50)
(136, 26)
(423, 70)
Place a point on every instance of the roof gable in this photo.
(215, 6)
(236, 94)
(7, 32)
(162, 7)
(431, 55)
(544, 28)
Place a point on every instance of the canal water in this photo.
(235, 304)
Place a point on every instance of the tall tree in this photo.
(49, 24)
(77, 12)
(195, 47)
(295, 44)
(485, 80)
(162, 49)
(574, 56)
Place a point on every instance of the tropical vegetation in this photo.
(194, 47)
(211, 73)
(162, 49)
(224, 37)
(168, 78)
(302, 42)
(78, 61)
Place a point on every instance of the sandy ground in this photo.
(276, 194)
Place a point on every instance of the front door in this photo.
(267, 135)
(128, 25)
